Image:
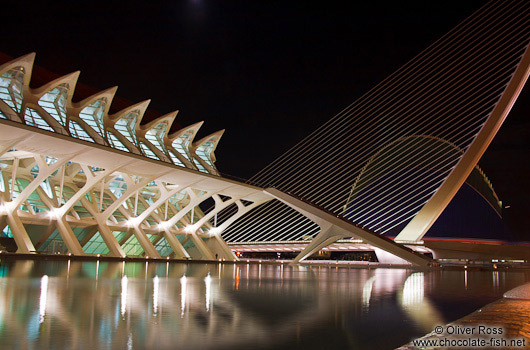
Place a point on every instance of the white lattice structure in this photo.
(90, 182)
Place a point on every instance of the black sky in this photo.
(269, 72)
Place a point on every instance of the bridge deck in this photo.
(334, 227)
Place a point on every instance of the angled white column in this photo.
(174, 243)
(325, 237)
(138, 232)
(24, 244)
(105, 232)
(206, 253)
(68, 236)
(144, 241)
(10, 208)
(426, 217)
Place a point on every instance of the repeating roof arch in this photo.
(50, 107)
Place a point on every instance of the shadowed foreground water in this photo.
(108, 305)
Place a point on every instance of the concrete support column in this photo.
(174, 243)
(322, 240)
(146, 244)
(202, 247)
(69, 237)
(222, 248)
(114, 247)
(24, 244)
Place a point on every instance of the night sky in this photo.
(268, 72)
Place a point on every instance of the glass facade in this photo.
(175, 159)
(116, 143)
(127, 127)
(200, 166)
(11, 85)
(51, 112)
(156, 134)
(93, 115)
(33, 118)
(204, 151)
(182, 143)
(54, 102)
(147, 151)
(78, 132)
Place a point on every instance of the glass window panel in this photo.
(78, 132)
(11, 85)
(175, 159)
(132, 247)
(116, 143)
(163, 247)
(204, 151)
(181, 144)
(93, 115)
(35, 119)
(147, 151)
(156, 134)
(126, 126)
(199, 166)
(54, 102)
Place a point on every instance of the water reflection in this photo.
(214, 306)
(43, 297)
(124, 282)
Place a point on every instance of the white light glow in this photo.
(123, 295)
(163, 225)
(133, 222)
(55, 213)
(155, 294)
(214, 231)
(367, 291)
(208, 282)
(183, 283)
(7, 206)
(191, 228)
(43, 297)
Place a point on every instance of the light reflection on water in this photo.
(89, 305)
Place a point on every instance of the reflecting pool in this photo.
(116, 305)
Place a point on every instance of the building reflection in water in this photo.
(211, 306)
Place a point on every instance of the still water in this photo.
(114, 305)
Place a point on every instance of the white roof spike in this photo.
(194, 128)
(25, 61)
(170, 118)
(70, 79)
(108, 94)
(216, 135)
(140, 106)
